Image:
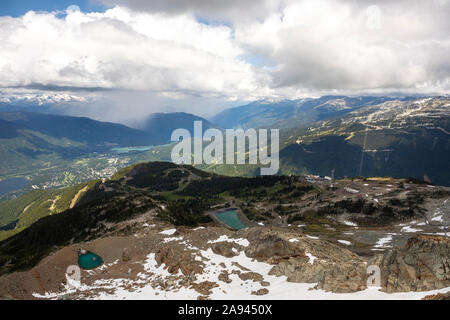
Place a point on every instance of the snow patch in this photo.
(383, 242)
(349, 223)
(169, 232)
(409, 229)
(241, 241)
(311, 257)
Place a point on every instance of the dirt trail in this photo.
(27, 207)
(77, 196)
(53, 206)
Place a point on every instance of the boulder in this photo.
(260, 292)
(224, 249)
(176, 258)
(254, 276)
(272, 249)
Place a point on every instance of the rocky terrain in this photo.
(211, 263)
(422, 264)
(307, 237)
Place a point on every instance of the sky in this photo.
(17, 8)
(120, 60)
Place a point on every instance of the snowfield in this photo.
(279, 289)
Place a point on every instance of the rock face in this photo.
(422, 264)
(305, 260)
(175, 258)
(272, 249)
(344, 278)
(336, 275)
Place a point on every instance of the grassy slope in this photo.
(35, 205)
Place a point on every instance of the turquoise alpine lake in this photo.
(89, 260)
(129, 149)
(231, 219)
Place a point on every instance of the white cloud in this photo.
(338, 46)
(218, 10)
(297, 47)
(323, 46)
(122, 49)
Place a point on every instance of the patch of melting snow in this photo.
(312, 237)
(241, 241)
(150, 265)
(409, 229)
(293, 240)
(311, 257)
(198, 228)
(347, 243)
(408, 223)
(349, 223)
(383, 242)
(260, 223)
(169, 232)
(279, 289)
(170, 239)
(438, 218)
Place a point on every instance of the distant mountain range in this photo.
(293, 113)
(369, 136)
(161, 125)
(353, 136)
(79, 129)
(395, 138)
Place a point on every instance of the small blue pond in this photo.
(89, 260)
(130, 149)
(231, 219)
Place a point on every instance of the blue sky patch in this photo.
(16, 8)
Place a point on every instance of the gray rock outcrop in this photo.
(422, 264)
